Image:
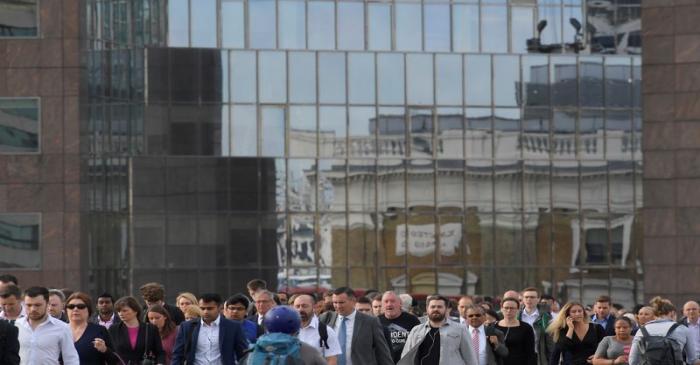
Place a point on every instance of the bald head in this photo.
(691, 310)
(511, 294)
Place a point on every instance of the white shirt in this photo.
(530, 319)
(108, 323)
(310, 336)
(694, 329)
(482, 343)
(349, 324)
(46, 342)
(208, 350)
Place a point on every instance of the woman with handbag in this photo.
(136, 343)
(93, 343)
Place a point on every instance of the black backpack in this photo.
(660, 350)
(323, 334)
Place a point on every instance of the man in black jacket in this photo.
(154, 293)
(9, 344)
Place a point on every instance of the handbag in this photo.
(146, 359)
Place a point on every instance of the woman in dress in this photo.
(573, 333)
(519, 336)
(615, 348)
(133, 340)
(167, 329)
(91, 340)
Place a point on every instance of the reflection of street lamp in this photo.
(577, 45)
(535, 44)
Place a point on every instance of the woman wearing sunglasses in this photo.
(91, 340)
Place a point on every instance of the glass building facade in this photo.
(417, 146)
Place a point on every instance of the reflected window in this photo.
(408, 29)
(302, 131)
(494, 29)
(292, 24)
(465, 28)
(204, 24)
(321, 24)
(379, 26)
(437, 27)
(564, 80)
(332, 130)
(351, 25)
(232, 24)
(262, 18)
(302, 77)
(506, 80)
(361, 129)
(391, 132)
(272, 124)
(597, 245)
(522, 20)
(244, 138)
(591, 81)
(243, 71)
(535, 74)
(361, 78)
(448, 83)
(618, 77)
(419, 70)
(272, 77)
(421, 132)
(477, 79)
(331, 77)
(178, 22)
(390, 78)
(20, 236)
(19, 125)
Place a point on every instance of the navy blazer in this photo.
(232, 342)
(609, 325)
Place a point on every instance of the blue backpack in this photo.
(276, 349)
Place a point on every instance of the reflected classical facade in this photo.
(321, 144)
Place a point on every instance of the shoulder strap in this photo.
(145, 343)
(323, 334)
(673, 328)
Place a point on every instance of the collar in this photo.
(350, 317)
(595, 318)
(481, 329)
(216, 322)
(535, 313)
(696, 323)
(445, 322)
(313, 323)
(50, 320)
(111, 319)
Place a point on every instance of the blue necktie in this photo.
(342, 338)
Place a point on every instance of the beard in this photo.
(436, 316)
(304, 316)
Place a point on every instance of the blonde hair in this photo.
(193, 311)
(559, 322)
(661, 306)
(187, 295)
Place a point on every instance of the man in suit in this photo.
(154, 293)
(603, 316)
(212, 339)
(9, 344)
(487, 342)
(691, 319)
(361, 337)
(105, 315)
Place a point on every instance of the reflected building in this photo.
(419, 147)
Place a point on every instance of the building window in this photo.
(19, 240)
(19, 18)
(19, 125)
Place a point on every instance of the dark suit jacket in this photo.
(369, 346)
(232, 342)
(9, 344)
(497, 353)
(147, 339)
(609, 325)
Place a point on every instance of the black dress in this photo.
(147, 342)
(580, 350)
(520, 341)
(86, 349)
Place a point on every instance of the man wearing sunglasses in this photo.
(487, 342)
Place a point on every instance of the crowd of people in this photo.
(339, 327)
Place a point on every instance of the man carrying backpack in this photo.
(280, 346)
(663, 341)
(315, 332)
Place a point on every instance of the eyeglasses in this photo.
(76, 306)
(474, 316)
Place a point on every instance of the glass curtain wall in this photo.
(392, 145)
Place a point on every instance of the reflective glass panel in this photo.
(363, 176)
(506, 80)
(591, 128)
(19, 125)
(351, 25)
(243, 71)
(535, 140)
(569, 30)
(591, 81)
(244, 130)
(535, 74)
(618, 89)
(408, 31)
(421, 121)
(522, 20)
(477, 79)
(361, 78)
(362, 122)
(552, 33)
(564, 135)
(302, 131)
(494, 29)
(331, 77)
(379, 27)
(478, 135)
(619, 142)
(506, 125)
(20, 240)
(564, 79)
(293, 24)
(450, 133)
(448, 79)
(262, 23)
(437, 27)
(232, 24)
(391, 185)
(178, 23)
(390, 78)
(272, 77)
(391, 132)
(321, 24)
(272, 131)
(302, 77)
(301, 189)
(465, 28)
(419, 70)
(332, 130)
(204, 24)
(332, 185)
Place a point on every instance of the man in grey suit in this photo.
(361, 337)
(487, 341)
